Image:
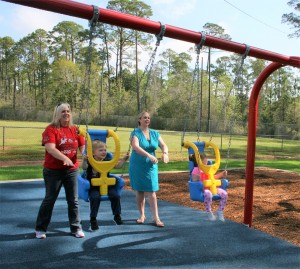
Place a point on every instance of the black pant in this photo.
(54, 180)
(95, 200)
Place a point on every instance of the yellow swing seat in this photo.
(106, 179)
(197, 188)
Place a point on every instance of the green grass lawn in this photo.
(21, 141)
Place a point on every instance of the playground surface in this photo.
(276, 204)
(187, 241)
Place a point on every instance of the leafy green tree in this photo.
(32, 69)
(219, 73)
(217, 31)
(177, 85)
(42, 71)
(128, 39)
(65, 40)
(65, 82)
(7, 67)
(45, 68)
(293, 19)
(122, 38)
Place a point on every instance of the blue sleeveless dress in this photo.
(143, 174)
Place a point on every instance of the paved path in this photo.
(187, 241)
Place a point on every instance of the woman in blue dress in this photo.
(143, 166)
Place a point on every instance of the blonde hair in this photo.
(57, 114)
(98, 144)
(141, 115)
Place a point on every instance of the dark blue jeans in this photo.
(54, 180)
(95, 200)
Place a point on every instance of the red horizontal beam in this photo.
(112, 17)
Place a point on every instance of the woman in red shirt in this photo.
(61, 141)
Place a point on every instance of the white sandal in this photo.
(141, 220)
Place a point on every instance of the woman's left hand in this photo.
(165, 158)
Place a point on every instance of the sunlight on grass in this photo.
(21, 141)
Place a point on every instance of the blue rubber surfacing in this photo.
(187, 241)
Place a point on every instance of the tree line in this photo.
(48, 67)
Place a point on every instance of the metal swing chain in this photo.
(123, 166)
(195, 72)
(151, 61)
(150, 64)
(87, 77)
(198, 49)
(237, 79)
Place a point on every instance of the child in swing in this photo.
(100, 154)
(198, 175)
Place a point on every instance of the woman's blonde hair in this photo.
(57, 114)
(141, 115)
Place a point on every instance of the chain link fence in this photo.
(23, 144)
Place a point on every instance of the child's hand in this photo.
(126, 157)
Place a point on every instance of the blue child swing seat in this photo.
(106, 179)
(197, 188)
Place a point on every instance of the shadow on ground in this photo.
(187, 241)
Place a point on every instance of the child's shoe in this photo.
(211, 216)
(220, 215)
(118, 220)
(40, 234)
(78, 234)
(94, 225)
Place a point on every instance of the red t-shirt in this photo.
(67, 141)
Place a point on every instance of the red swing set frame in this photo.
(85, 11)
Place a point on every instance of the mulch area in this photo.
(276, 200)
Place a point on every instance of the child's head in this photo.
(203, 157)
(99, 149)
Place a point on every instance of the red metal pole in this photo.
(112, 17)
(252, 124)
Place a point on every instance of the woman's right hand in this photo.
(153, 159)
(68, 162)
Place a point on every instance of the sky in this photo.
(256, 23)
